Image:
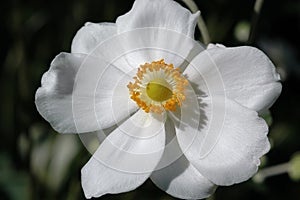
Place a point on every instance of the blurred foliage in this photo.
(294, 170)
(37, 163)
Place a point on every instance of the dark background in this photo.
(38, 163)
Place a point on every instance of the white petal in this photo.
(90, 35)
(67, 96)
(146, 45)
(126, 158)
(248, 76)
(92, 140)
(229, 142)
(166, 14)
(180, 179)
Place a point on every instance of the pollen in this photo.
(158, 87)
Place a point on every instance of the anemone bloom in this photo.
(163, 106)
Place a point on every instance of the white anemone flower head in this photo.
(159, 104)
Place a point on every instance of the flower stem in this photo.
(272, 171)
(201, 24)
(257, 9)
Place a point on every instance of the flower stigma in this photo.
(158, 87)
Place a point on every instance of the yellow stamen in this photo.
(158, 87)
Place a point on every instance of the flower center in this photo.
(158, 87)
(157, 90)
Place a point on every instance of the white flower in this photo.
(187, 132)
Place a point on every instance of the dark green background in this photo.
(32, 32)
